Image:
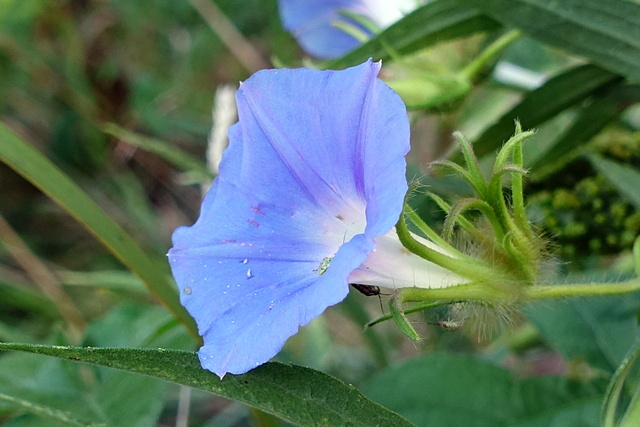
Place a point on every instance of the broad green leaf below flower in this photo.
(300, 395)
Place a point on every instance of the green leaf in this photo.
(145, 326)
(52, 414)
(433, 23)
(430, 91)
(171, 154)
(99, 394)
(453, 390)
(599, 330)
(116, 280)
(16, 296)
(294, 393)
(605, 32)
(614, 392)
(42, 173)
(636, 256)
(556, 95)
(624, 177)
(590, 121)
(36, 383)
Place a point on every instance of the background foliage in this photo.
(105, 111)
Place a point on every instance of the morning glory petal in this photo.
(313, 174)
(247, 308)
(351, 154)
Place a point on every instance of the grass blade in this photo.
(42, 173)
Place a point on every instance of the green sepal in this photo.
(395, 305)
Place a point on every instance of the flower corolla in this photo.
(320, 26)
(305, 203)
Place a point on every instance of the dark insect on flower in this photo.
(368, 290)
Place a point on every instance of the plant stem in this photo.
(411, 309)
(581, 290)
(468, 292)
(458, 266)
(426, 298)
(434, 237)
(484, 292)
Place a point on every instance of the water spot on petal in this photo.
(187, 290)
(244, 261)
(249, 274)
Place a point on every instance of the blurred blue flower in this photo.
(313, 179)
(319, 25)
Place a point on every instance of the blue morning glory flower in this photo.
(316, 23)
(308, 193)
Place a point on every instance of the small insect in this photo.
(368, 290)
(449, 325)
(324, 265)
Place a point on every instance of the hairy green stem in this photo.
(581, 290)
(468, 292)
(411, 309)
(477, 204)
(484, 292)
(464, 222)
(517, 197)
(478, 186)
(459, 266)
(432, 235)
(437, 297)
(476, 180)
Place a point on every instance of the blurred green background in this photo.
(74, 75)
